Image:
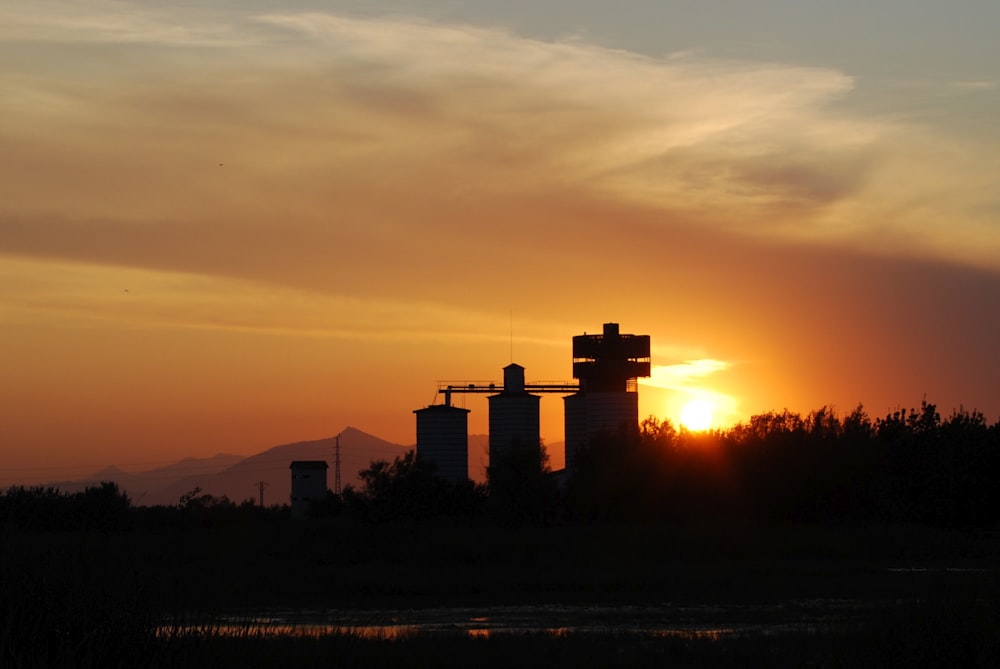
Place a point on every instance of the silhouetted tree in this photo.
(329, 506)
(409, 489)
(102, 507)
(908, 467)
(520, 487)
(38, 508)
(206, 510)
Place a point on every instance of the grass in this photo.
(524, 650)
(343, 565)
(66, 602)
(923, 639)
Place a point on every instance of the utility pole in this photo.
(336, 466)
(260, 487)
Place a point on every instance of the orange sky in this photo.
(227, 228)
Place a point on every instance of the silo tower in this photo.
(443, 438)
(514, 413)
(607, 366)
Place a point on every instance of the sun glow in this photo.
(697, 415)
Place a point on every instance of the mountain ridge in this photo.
(240, 477)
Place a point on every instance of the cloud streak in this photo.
(681, 376)
(351, 131)
(82, 296)
(695, 380)
(122, 22)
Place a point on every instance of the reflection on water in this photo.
(666, 620)
(263, 627)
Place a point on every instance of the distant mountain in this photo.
(137, 484)
(239, 478)
(241, 481)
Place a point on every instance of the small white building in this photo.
(308, 482)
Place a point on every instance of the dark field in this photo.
(784, 596)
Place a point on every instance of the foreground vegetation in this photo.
(903, 596)
(920, 641)
(894, 521)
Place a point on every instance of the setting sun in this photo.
(697, 415)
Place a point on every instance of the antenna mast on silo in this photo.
(336, 466)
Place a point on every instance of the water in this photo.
(685, 621)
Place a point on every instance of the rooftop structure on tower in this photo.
(608, 366)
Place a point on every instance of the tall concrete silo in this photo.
(443, 438)
(514, 413)
(607, 366)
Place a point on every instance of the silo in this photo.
(607, 366)
(443, 438)
(589, 414)
(514, 413)
(575, 426)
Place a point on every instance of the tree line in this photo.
(107, 508)
(908, 467)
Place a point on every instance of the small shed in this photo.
(308, 482)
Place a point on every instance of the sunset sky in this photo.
(230, 224)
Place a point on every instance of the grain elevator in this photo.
(605, 399)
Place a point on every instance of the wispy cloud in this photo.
(81, 296)
(120, 22)
(692, 380)
(386, 133)
(684, 375)
(977, 85)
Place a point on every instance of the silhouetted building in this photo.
(443, 438)
(308, 482)
(514, 413)
(608, 366)
(606, 398)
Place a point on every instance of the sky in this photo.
(227, 225)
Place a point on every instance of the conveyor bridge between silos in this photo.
(494, 388)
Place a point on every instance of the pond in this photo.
(685, 621)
